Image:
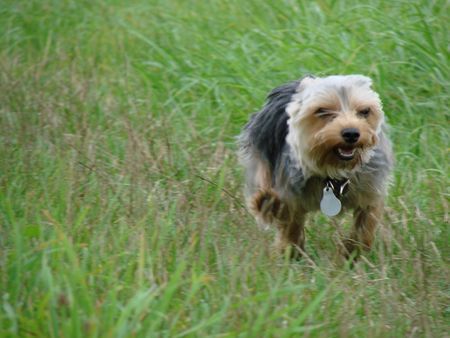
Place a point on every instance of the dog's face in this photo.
(334, 122)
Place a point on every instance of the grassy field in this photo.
(121, 209)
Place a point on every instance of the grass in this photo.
(120, 202)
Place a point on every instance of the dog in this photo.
(319, 143)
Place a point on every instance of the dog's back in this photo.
(267, 129)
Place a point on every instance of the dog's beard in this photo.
(329, 157)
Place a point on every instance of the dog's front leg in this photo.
(291, 236)
(365, 222)
(267, 207)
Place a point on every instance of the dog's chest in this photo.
(309, 195)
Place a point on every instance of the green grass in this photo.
(120, 194)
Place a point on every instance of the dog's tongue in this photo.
(347, 152)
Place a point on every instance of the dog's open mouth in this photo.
(346, 153)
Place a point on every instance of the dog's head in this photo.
(333, 123)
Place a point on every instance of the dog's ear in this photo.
(361, 80)
(294, 106)
(305, 82)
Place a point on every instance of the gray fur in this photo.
(266, 131)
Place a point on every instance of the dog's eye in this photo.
(364, 112)
(323, 113)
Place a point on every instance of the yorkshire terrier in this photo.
(318, 143)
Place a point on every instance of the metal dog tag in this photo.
(330, 204)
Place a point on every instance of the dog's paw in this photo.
(268, 206)
(351, 250)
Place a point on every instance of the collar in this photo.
(339, 187)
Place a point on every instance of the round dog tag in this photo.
(330, 204)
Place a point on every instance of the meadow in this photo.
(121, 205)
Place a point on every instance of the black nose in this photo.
(350, 135)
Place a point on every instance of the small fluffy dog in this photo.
(318, 143)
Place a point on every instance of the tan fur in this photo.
(263, 176)
(363, 231)
(325, 136)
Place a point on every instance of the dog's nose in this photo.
(350, 135)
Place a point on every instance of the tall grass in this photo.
(120, 195)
